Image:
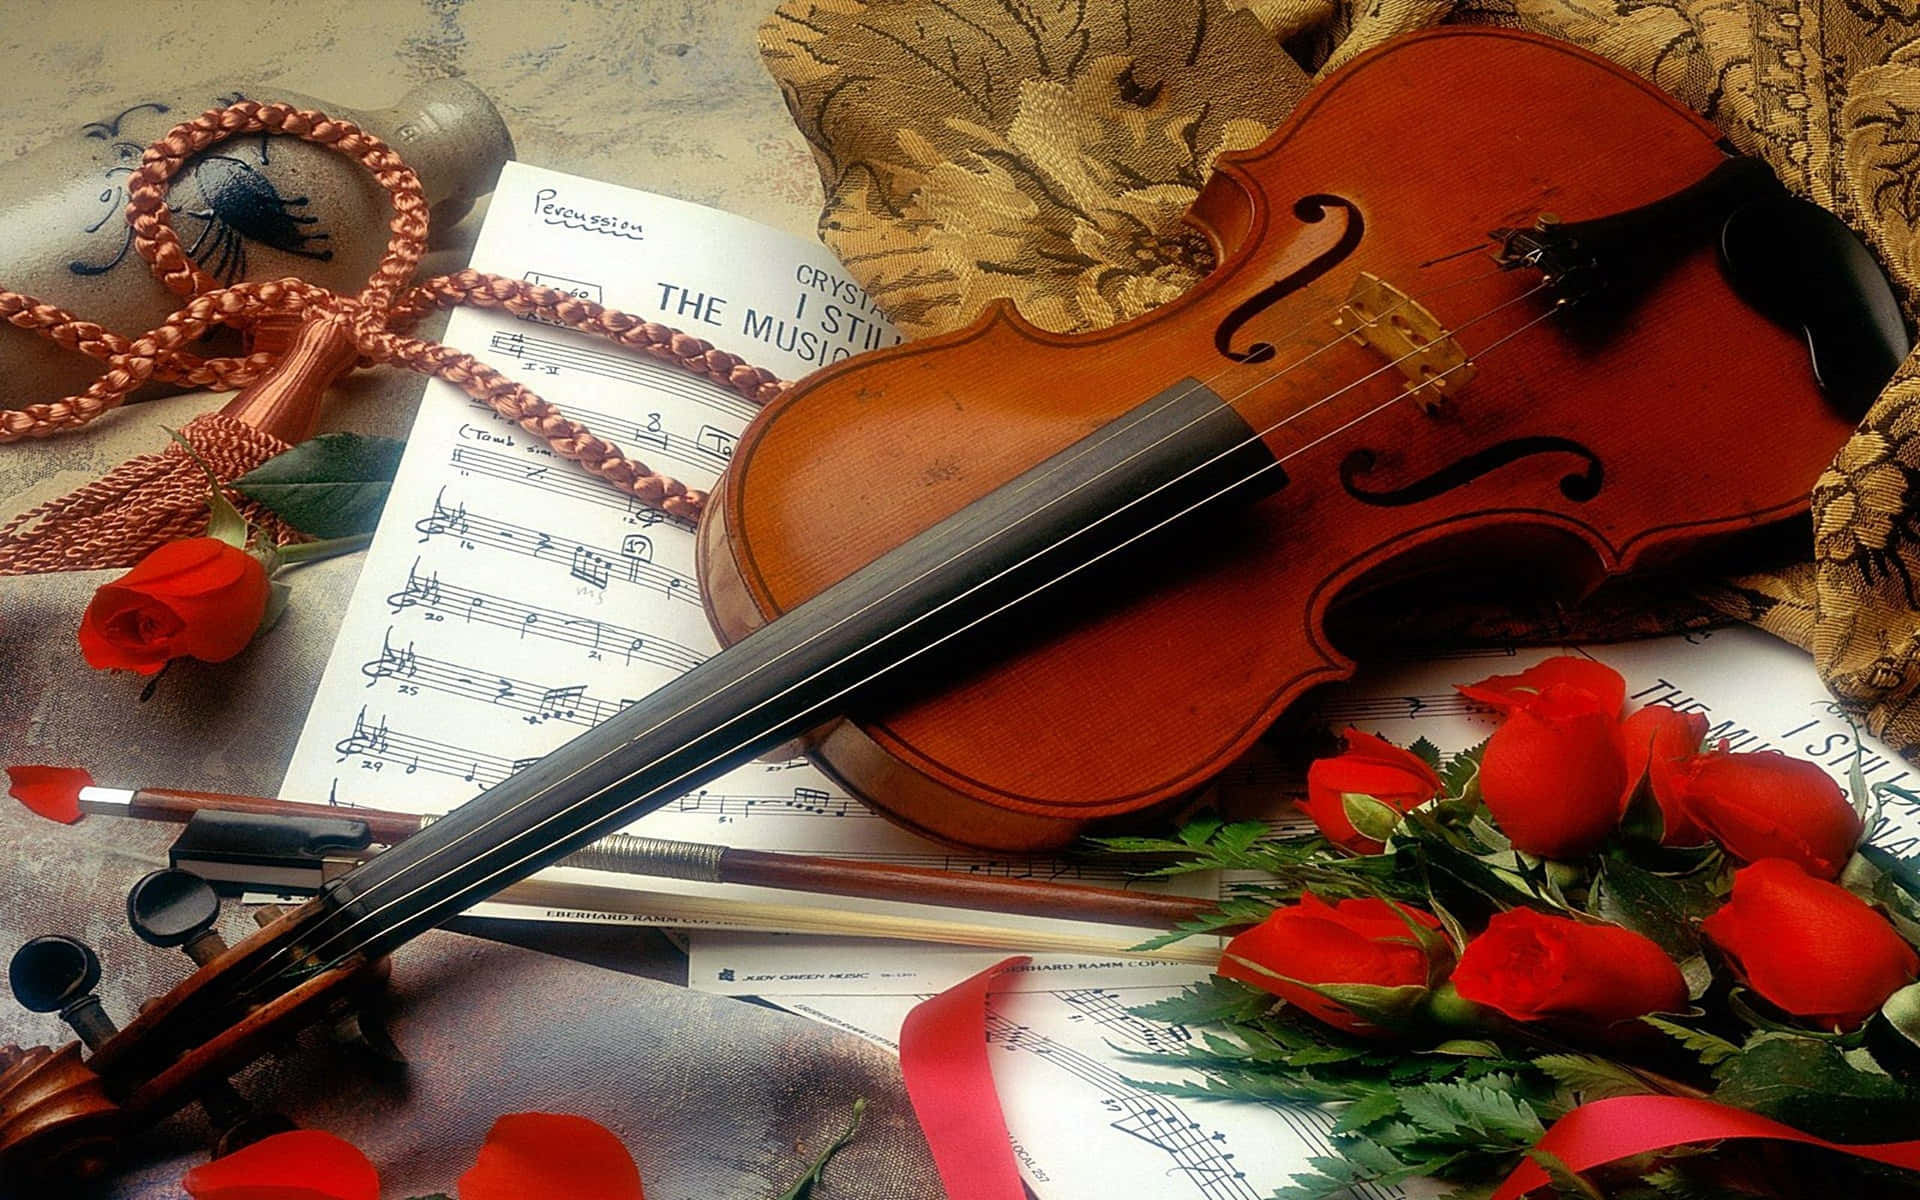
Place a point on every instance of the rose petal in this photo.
(303, 1165)
(53, 792)
(1600, 687)
(544, 1154)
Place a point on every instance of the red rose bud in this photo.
(1356, 798)
(1602, 688)
(1657, 740)
(1767, 805)
(197, 598)
(1360, 965)
(1553, 775)
(53, 792)
(1534, 967)
(1812, 948)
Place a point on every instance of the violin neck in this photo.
(1178, 455)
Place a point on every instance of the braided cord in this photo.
(376, 319)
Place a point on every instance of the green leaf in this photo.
(1590, 1077)
(225, 522)
(1708, 1049)
(1460, 778)
(1808, 1083)
(1481, 1108)
(330, 486)
(1210, 1002)
(1658, 907)
(1426, 752)
(1377, 1106)
(1199, 831)
(1372, 818)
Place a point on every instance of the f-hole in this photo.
(1333, 230)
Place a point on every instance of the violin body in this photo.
(1573, 451)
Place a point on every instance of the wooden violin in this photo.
(1483, 298)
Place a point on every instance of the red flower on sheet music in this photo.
(1657, 741)
(196, 598)
(1554, 773)
(1812, 948)
(1766, 805)
(1360, 965)
(1534, 967)
(1356, 798)
(525, 1155)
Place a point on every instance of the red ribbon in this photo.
(1606, 1130)
(943, 1058)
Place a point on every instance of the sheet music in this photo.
(1082, 1131)
(510, 600)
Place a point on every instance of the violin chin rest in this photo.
(1802, 267)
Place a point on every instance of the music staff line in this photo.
(539, 702)
(441, 600)
(1384, 708)
(554, 356)
(1158, 1121)
(708, 454)
(595, 565)
(379, 744)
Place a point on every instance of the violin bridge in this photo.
(1409, 337)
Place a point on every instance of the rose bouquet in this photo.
(1592, 939)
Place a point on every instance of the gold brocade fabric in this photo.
(1043, 151)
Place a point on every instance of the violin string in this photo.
(1199, 386)
(478, 887)
(1089, 445)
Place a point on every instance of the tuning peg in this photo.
(176, 908)
(58, 974)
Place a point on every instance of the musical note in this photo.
(561, 703)
(589, 567)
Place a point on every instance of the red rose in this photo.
(1553, 774)
(1657, 740)
(1811, 947)
(1347, 964)
(1600, 687)
(1398, 779)
(1766, 805)
(1534, 967)
(197, 598)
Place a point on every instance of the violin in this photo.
(1484, 299)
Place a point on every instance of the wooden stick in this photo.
(723, 864)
